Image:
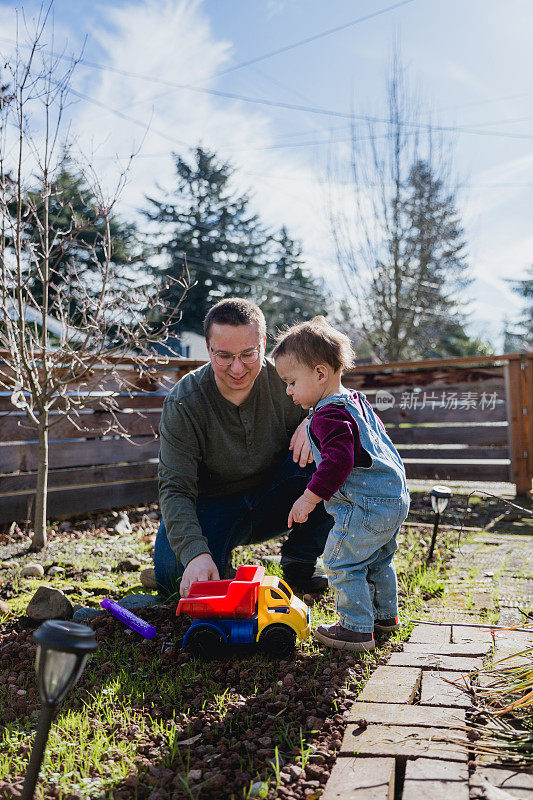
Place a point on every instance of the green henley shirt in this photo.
(212, 448)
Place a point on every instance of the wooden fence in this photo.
(463, 419)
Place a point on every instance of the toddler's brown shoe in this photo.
(343, 639)
(387, 625)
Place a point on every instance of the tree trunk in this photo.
(39, 536)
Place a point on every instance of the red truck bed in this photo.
(235, 598)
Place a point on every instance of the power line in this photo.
(313, 38)
(299, 293)
(289, 106)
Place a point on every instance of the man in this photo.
(226, 476)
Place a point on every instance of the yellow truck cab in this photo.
(278, 605)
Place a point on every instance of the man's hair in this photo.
(316, 342)
(235, 311)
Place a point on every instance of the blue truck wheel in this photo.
(205, 641)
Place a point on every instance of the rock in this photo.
(148, 578)
(84, 613)
(132, 601)
(258, 789)
(105, 568)
(122, 525)
(295, 772)
(194, 775)
(49, 603)
(52, 571)
(128, 565)
(314, 771)
(8, 564)
(4, 608)
(32, 571)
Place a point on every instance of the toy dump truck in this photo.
(251, 608)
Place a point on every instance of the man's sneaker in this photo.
(387, 625)
(305, 577)
(344, 639)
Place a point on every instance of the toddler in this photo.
(360, 476)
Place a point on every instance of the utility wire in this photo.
(314, 38)
(288, 106)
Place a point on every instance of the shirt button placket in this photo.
(247, 431)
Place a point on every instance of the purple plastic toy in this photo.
(129, 619)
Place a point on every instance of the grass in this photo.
(117, 723)
(500, 724)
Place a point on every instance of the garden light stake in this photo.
(62, 652)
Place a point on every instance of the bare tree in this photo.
(398, 238)
(54, 367)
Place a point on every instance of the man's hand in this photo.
(303, 507)
(301, 452)
(201, 568)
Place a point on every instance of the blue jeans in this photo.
(358, 562)
(249, 518)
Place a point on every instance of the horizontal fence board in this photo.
(406, 379)
(418, 416)
(470, 471)
(488, 387)
(455, 404)
(17, 429)
(439, 453)
(68, 502)
(481, 435)
(117, 402)
(83, 476)
(23, 457)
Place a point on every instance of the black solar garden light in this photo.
(440, 496)
(62, 652)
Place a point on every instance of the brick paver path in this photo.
(398, 740)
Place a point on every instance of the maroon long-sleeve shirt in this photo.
(336, 434)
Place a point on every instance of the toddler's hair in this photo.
(316, 342)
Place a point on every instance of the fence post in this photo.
(518, 380)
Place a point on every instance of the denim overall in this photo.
(368, 510)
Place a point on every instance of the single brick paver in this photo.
(464, 634)
(391, 685)
(354, 778)
(466, 650)
(483, 600)
(401, 740)
(399, 714)
(434, 635)
(515, 783)
(434, 779)
(433, 660)
(440, 689)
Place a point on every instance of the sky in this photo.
(162, 76)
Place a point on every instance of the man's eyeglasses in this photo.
(246, 357)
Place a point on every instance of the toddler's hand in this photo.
(300, 510)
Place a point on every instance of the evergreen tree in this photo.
(520, 339)
(205, 222)
(73, 211)
(412, 300)
(288, 294)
